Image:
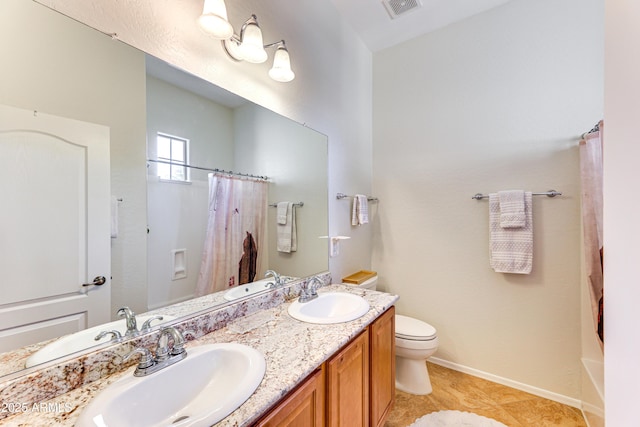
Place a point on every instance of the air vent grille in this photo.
(396, 8)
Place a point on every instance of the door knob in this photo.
(97, 281)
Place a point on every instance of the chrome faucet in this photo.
(163, 352)
(165, 355)
(116, 335)
(130, 316)
(146, 326)
(276, 278)
(308, 291)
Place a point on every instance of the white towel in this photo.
(512, 209)
(360, 210)
(511, 249)
(287, 238)
(281, 212)
(114, 217)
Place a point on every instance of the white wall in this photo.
(73, 71)
(331, 93)
(621, 208)
(495, 102)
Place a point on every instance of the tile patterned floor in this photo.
(462, 392)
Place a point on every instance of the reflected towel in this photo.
(281, 212)
(360, 210)
(287, 238)
(511, 249)
(512, 209)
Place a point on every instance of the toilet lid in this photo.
(413, 329)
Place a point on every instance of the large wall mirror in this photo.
(55, 65)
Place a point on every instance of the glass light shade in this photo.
(214, 19)
(281, 70)
(252, 48)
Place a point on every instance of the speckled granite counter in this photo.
(307, 347)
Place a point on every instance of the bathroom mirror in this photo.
(58, 66)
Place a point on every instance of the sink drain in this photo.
(182, 418)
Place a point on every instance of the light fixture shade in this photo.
(252, 46)
(281, 70)
(214, 19)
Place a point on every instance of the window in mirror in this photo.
(173, 153)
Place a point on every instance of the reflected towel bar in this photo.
(344, 196)
(299, 204)
(550, 193)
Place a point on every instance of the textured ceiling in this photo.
(370, 19)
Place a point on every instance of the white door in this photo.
(54, 226)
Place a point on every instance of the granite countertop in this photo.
(307, 347)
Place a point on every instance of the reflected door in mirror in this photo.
(54, 226)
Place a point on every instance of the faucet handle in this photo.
(117, 336)
(147, 323)
(146, 359)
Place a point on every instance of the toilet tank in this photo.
(371, 283)
(363, 278)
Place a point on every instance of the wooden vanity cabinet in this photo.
(355, 387)
(304, 407)
(383, 367)
(348, 384)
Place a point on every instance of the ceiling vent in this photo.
(395, 8)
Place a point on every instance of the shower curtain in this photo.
(591, 177)
(235, 235)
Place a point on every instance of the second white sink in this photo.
(330, 307)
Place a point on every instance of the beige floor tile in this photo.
(458, 391)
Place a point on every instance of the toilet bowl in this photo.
(416, 341)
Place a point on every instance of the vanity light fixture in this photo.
(248, 46)
(214, 19)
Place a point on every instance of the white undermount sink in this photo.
(247, 289)
(84, 339)
(200, 390)
(330, 307)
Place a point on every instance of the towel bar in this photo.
(299, 204)
(550, 193)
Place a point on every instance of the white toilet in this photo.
(416, 341)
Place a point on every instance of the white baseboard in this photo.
(576, 403)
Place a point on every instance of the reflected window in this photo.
(174, 152)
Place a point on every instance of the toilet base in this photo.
(412, 376)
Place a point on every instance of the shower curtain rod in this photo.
(247, 175)
(550, 193)
(594, 129)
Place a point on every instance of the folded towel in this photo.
(114, 217)
(286, 234)
(511, 249)
(512, 209)
(281, 212)
(360, 210)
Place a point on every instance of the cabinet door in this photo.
(348, 385)
(383, 362)
(304, 407)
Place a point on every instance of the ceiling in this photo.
(373, 23)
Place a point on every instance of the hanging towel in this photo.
(281, 212)
(287, 239)
(248, 261)
(511, 249)
(360, 210)
(512, 209)
(114, 217)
